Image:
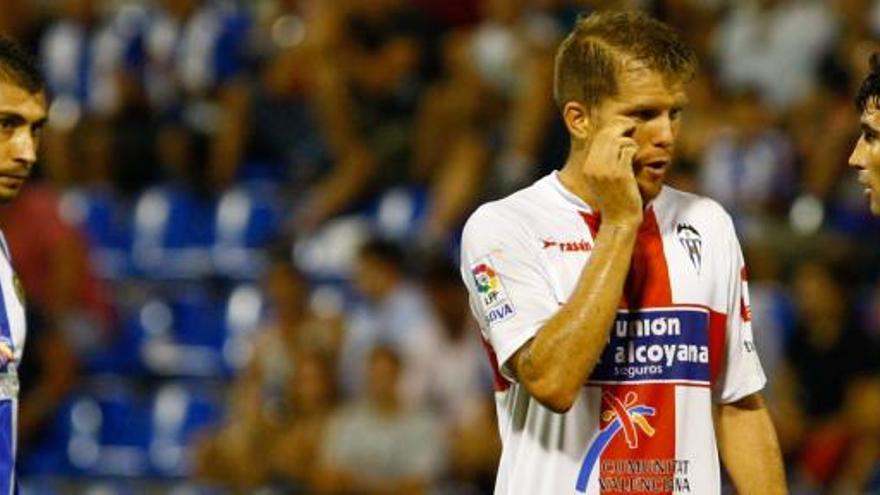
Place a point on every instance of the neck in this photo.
(572, 177)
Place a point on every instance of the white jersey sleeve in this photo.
(741, 373)
(510, 294)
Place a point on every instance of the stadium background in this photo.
(238, 202)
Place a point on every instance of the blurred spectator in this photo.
(775, 46)
(262, 400)
(395, 313)
(196, 58)
(825, 333)
(772, 307)
(85, 53)
(488, 117)
(460, 383)
(842, 455)
(93, 64)
(461, 379)
(826, 350)
(369, 70)
(748, 166)
(378, 445)
(281, 100)
(294, 452)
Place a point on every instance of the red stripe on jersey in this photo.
(593, 221)
(717, 339)
(745, 311)
(501, 383)
(643, 461)
(647, 285)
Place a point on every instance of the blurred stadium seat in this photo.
(173, 230)
(248, 218)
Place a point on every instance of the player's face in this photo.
(655, 103)
(865, 156)
(22, 116)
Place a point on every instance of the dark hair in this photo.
(869, 92)
(387, 252)
(19, 67)
(589, 58)
(440, 271)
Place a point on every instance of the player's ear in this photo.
(577, 119)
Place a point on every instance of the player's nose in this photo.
(664, 132)
(24, 147)
(857, 157)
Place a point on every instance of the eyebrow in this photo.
(22, 118)
(868, 128)
(639, 107)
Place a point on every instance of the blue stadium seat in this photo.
(106, 431)
(248, 218)
(243, 313)
(183, 335)
(106, 221)
(192, 332)
(178, 412)
(399, 213)
(173, 232)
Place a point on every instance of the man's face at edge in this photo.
(865, 156)
(22, 117)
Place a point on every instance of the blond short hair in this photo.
(588, 60)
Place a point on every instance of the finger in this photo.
(626, 155)
(620, 126)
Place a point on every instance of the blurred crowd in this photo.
(375, 127)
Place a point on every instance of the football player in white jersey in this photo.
(22, 116)
(622, 343)
(865, 156)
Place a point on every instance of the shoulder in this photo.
(510, 217)
(694, 206)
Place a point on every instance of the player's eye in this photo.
(8, 124)
(869, 137)
(37, 129)
(645, 114)
(675, 113)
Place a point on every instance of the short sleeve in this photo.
(510, 294)
(741, 374)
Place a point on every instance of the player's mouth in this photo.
(863, 180)
(13, 179)
(656, 167)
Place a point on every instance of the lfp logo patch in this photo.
(493, 297)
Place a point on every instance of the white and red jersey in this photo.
(681, 341)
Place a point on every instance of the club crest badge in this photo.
(692, 242)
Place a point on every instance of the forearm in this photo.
(334, 194)
(748, 447)
(554, 365)
(457, 184)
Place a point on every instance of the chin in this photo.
(649, 191)
(7, 196)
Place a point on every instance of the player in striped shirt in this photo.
(22, 116)
(614, 308)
